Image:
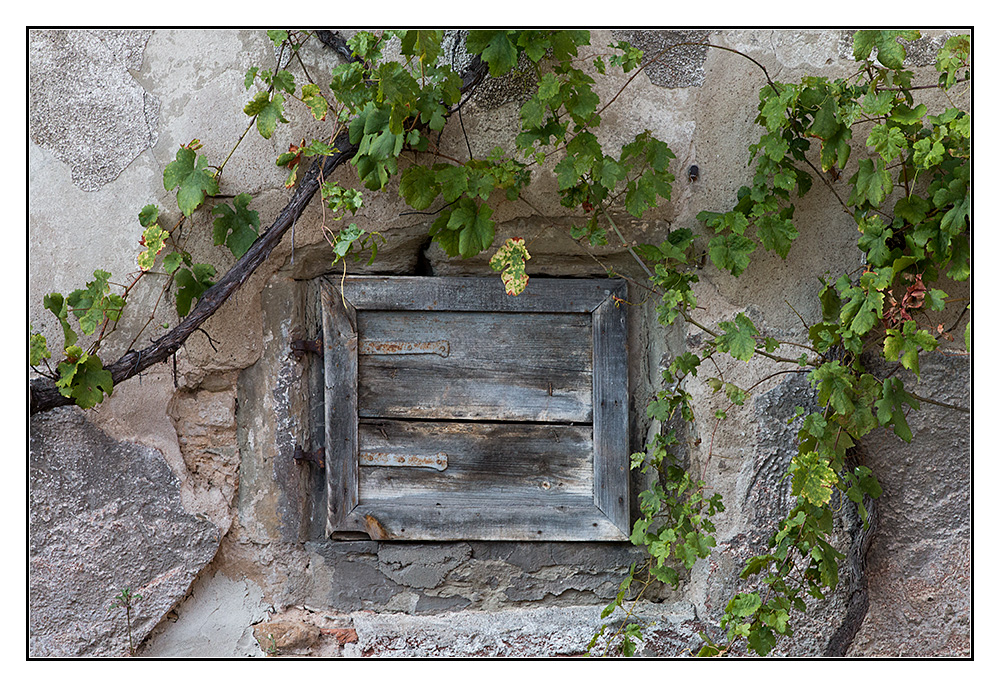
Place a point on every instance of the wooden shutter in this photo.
(455, 411)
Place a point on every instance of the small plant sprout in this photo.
(126, 599)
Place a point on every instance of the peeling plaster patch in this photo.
(804, 49)
(83, 104)
(792, 49)
(678, 67)
(215, 620)
(421, 566)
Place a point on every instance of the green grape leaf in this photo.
(936, 299)
(877, 102)
(475, 227)
(888, 51)
(776, 234)
(424, 45)
(928, 152)
(825, 124)
(686, 363)
(774, 110)
(284, 80)
(890, 407)
(886, 141)
(236, 228)
(735, 394)
(731, 252)
(93, 304)
(191, 284)
(905, 345)
(189, 175)
(56, 304)
(268, 111)
(872, 183)
(510, 262)
(665, 574)
(743, 605)
(418, 186)
(277, 36)
(815, 425)
(454, 180)
(495, 48)
(873, 240)
(951, 58)
(345, 239)
(38, 349)
(83, 378)
(148, 215)
(834, 384)
(249, 78)
(761, 640)
(340, 199)
(863, 309)
(913, 209)
(172, 261)
(903, 114)
(737, 338)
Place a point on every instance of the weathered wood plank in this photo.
(412, 519)
(529, 342)
(487, 462)
(499, 366)
(340, 358)
(611, 448)
(474, 294)
(495, 490)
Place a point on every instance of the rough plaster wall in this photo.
(226, 423)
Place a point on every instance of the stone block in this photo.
(103, 515)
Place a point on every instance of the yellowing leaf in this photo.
(509, 261)
(812, 478)
(154, 238)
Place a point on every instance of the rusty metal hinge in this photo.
(313, 457)
(300, 347)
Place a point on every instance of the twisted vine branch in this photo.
(44, 395)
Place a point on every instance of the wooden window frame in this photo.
(606, 519)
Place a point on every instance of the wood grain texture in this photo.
(528, 401)
(488, 463)
(475, 294)
(500, 366)
(611, 448)
(425, 520)
(340, 358)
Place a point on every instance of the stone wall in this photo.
(183, 485)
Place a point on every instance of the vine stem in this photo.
(942, 404)
(44, 395)
(240, 140)
(760, 351)
(625, 243)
